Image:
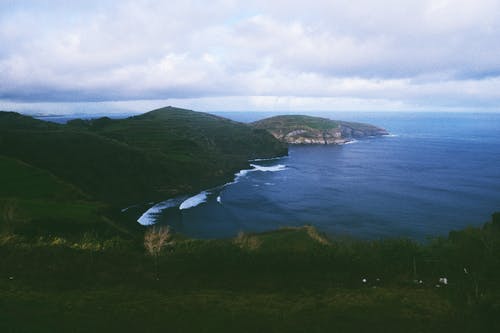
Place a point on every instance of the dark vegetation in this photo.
(289, 123)
(151, 156)
(69, 264)
(291, 280)
(123, 162)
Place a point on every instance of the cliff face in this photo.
(316, 130)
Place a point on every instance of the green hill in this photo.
(298, 129)
(148, 157)
(144, 158)
(33, 201)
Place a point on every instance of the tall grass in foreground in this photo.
(286, 280)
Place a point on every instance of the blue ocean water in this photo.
(435, 173)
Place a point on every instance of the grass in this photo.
(158, 309)
(19, 179)
(288, 123)
(145, 158)
(290, 280)
(33, 200)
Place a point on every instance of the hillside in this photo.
(188, 136)
(298, 129)
(126, 161)
(33, 201)
(139, 159)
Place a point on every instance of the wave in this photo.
(268, 159)
(149, 217)
(350, 142)
(273, 168)
(255, 167)
(391, 135)
(241, 173)
(194, 200)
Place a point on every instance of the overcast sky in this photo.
(94, 56)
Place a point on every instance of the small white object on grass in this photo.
(443, 280)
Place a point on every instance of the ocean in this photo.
(436, 172)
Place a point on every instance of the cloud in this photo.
(290, 53)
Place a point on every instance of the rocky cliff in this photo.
(295, 129)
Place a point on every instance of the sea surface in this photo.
(436, 172)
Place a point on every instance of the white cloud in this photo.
(258, 54)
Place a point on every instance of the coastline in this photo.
(193, 199)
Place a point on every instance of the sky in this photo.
(223, 55)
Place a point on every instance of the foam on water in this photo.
(149, 217)
(273, 168)
(194, 200)
(255, 167)
(267, 159)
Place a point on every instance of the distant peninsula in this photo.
(299, 129)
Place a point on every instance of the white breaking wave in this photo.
(274, 168)
(194, 200)
(149, 217)
(255, 167)
(267, 159)
(243, 172)
(391, 135)
(351, 142)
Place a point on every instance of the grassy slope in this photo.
(291, 280)
(191, 133)
(288, 123)
(34, 201)
(204, 148)
(149, 157)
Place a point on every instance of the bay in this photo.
(436, 172)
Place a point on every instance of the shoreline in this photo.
(187, 201)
